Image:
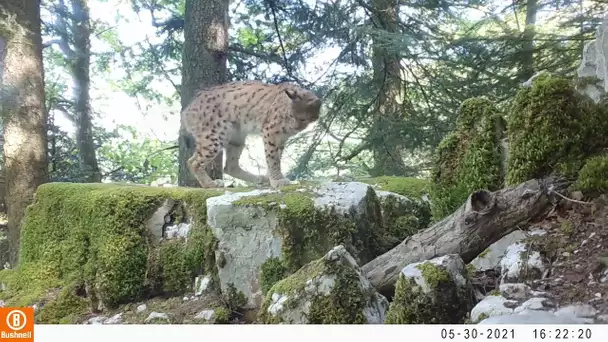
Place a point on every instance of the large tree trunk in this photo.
(482, 220)
(387, 80)
(527, 57)
(23, 112)
(80, 68)
(204, 64)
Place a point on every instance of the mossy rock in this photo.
(435, 291)
(330, 290)
(469, 158)
(267, 235)
(92, 243)
(553, 129)
(593, 177)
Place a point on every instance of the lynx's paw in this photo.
(277, 183)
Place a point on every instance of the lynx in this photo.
(221, 117)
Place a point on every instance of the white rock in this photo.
(342, 196)
(531, 304)
(517, 291)
(180, 230)
(156, 315)
(97, 320)
(247, 237)
(577, 310)
(489, 307)
(201, 284)
(491, 257)
(206, 315)
(520, 263)
(116, 319)
(595, 64)
(141, 308)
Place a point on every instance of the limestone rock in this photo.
(535, 303)
(594, 64)
(515, 291)
(489, 307)
(258, 226)
(206, 315)
(520, 263)
(491, 257)
(330, 290)
(157, 318)
(432, 291)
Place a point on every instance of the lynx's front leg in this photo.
(273, 148)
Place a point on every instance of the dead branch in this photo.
(482, 220)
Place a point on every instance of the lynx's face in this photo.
(305, 105)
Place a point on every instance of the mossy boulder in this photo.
(469, 158)
(553, 129)
(435, 291)
(330, 290)
(593, 177)
(265, 235)
(98, 244)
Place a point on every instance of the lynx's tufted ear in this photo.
(291, 94)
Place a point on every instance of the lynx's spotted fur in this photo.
(221, 117)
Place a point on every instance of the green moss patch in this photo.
(445, 303)
(552, 130)
(469, 158)
(410, 187)
(593, 177)
(91, 241)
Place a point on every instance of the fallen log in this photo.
(483, 219)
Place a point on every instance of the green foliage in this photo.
(592, 178)
(468, 159)
(552, 130)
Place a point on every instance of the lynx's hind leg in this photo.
(207, 148)
(234, 149)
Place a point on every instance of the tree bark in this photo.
(387, 80)
(80, 66)
(204, 64)
(527, 57)
(482, 220)
(23, 110)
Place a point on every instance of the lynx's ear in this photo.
(291, 94)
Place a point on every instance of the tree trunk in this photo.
(387, 80)
(23, 111)
(80, 68)
(482, 220)
(204, 64)
(527, 58)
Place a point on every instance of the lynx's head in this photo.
(305, 105)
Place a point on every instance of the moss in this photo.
(96, 234)
(64, 309)
(222, 315)
(309, 232)
(494, 292)
(552, 130)
(433, 275)
(482, 316)
(272, 271)
(344, 304)
(410, 187)
(469, 158)
(484, 253)
(446, 303)
(592, 180)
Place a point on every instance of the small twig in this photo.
(566, 198)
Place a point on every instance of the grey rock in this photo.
(156, 316)
(516, 291)
(577, 310)
(489, 307)
(491, 257)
